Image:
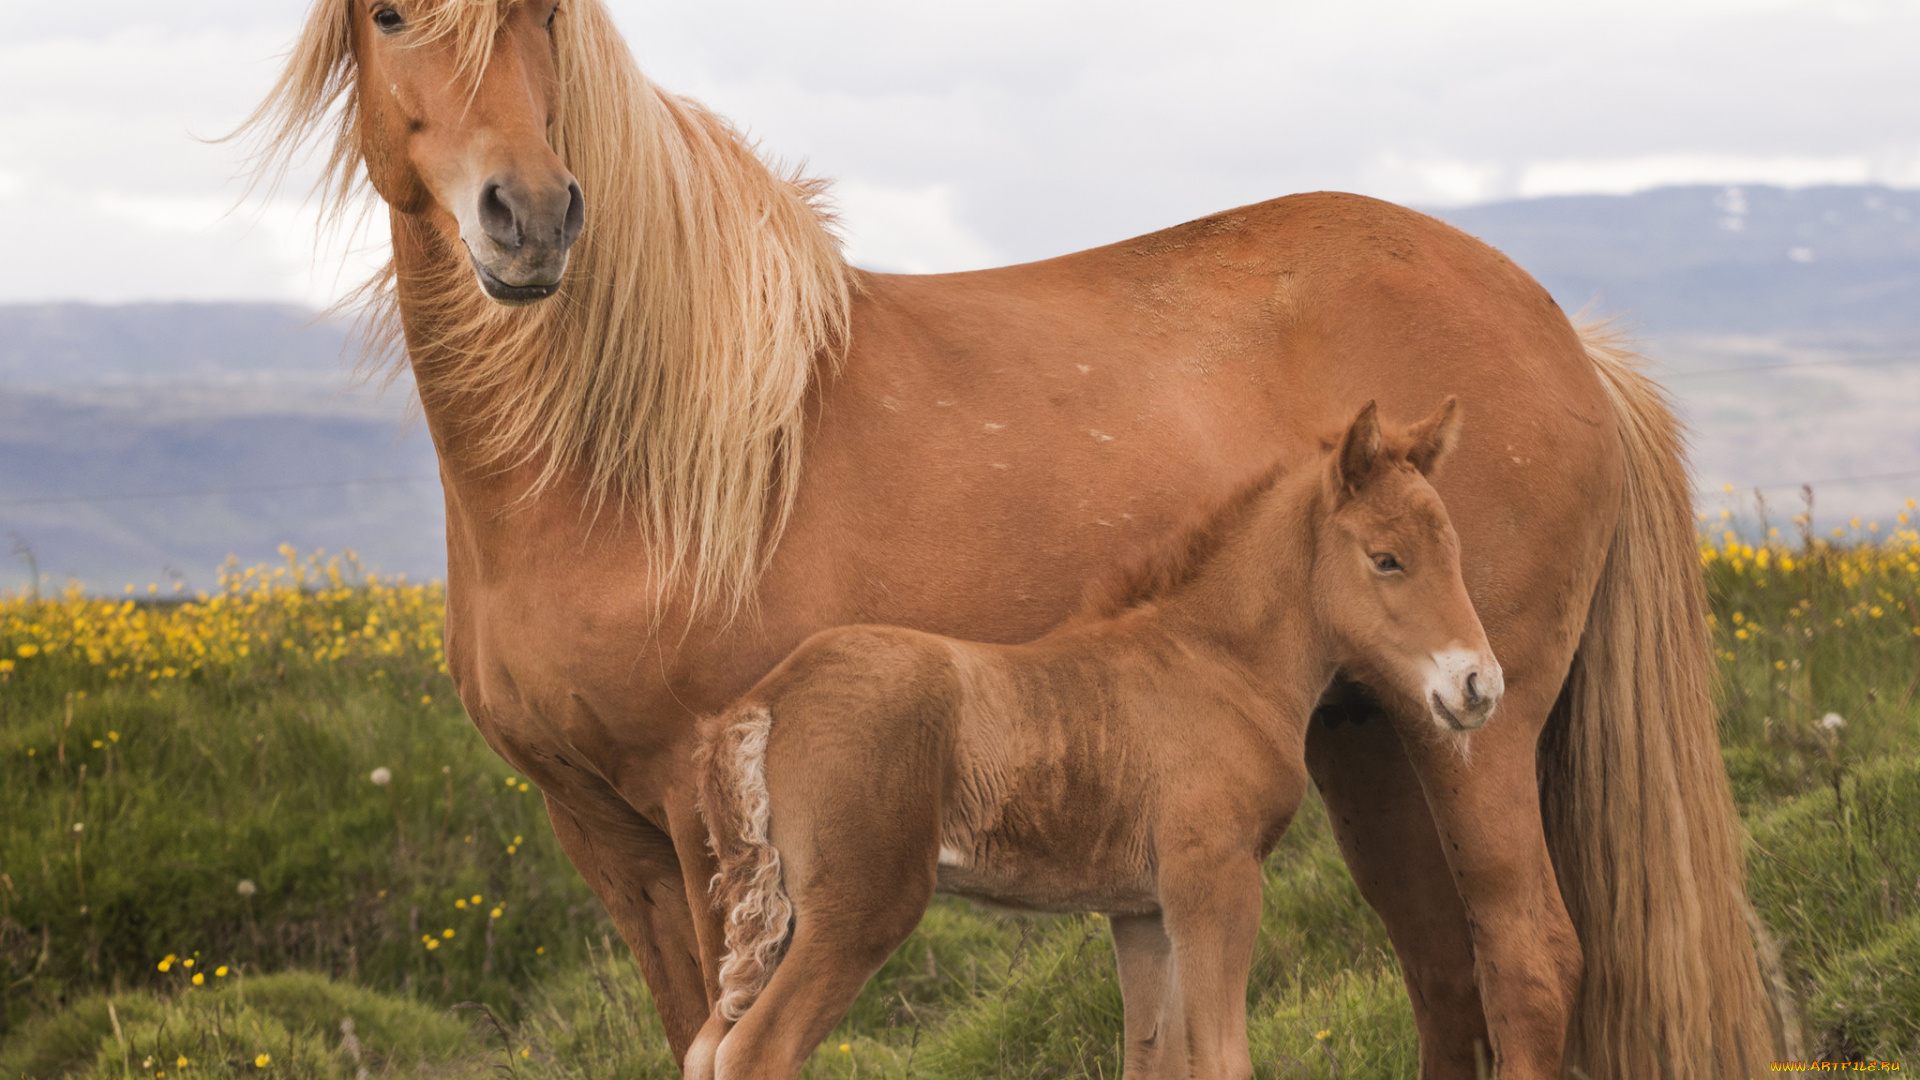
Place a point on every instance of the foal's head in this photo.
(1387, 572)
(456, 99)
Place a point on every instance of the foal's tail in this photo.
(732, 764)
(1638, 813)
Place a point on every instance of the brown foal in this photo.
(1141, 760)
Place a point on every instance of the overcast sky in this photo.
(969, 134)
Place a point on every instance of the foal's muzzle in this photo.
(1465, 688)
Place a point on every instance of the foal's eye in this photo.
(552, 15)
(388, 20)
(1386, 564)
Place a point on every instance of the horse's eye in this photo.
(1386, 564)
(552, 15)
(388, 20)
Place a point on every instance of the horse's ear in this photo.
(1359, 450)
(1433, 438)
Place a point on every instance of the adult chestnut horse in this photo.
(678, 435)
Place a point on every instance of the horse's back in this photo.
(1003, 435)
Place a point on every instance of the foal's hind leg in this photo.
(1156, 1027)
(838, 943)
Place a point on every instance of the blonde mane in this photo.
(668, 377)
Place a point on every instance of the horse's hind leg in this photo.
(1156, 1029)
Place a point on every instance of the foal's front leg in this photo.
(1211, 905)
(1156, 1027)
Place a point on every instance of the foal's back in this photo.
(1040, 768)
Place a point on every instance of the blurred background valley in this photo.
(145, 443)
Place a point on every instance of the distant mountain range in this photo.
(147, 441)
(1826, 260)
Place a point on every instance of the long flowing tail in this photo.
(1639, 816)
(749, 888)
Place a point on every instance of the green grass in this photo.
(233, 822)
(259, 771)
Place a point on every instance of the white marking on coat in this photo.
(951, 856)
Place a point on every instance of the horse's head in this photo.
(455, 100)
(1387, 572)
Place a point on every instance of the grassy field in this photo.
(251, 834)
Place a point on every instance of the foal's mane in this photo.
(669, 375)
(1177, 556)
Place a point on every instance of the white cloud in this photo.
(1005, 130)
(914, 231)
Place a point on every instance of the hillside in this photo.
(148, 442)
(1729, 260)
(1787, 322)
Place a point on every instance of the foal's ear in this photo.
(1359, 450)
(1433, 438)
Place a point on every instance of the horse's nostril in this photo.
(497, 218)
(576, 218)
(1473, 688)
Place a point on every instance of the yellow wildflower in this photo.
(262, 1061)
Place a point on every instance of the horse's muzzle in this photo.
(519, 234)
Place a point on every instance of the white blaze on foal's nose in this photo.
(1466, 685)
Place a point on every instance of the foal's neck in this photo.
(1254, 598)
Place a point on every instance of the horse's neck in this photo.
(490, 501)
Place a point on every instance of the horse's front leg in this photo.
(1483, 791)
(1155, 1024)
(1385, 830)
(635, 870)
